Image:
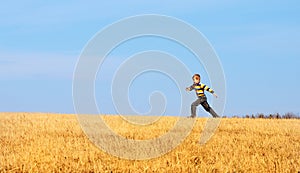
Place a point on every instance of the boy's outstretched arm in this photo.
(190, 88)
(215, 95)
(210, 90)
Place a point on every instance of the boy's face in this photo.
(196, 79)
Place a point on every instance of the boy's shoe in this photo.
(191, 116)
(216, 116)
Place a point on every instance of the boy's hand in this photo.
(187, 89)
(215, 95)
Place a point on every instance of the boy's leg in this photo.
(213, 113)
(194, 107)
(209, 109)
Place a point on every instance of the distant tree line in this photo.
(288, 115)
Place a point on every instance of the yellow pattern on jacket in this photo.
(199, 88)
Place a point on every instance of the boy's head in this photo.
(196, 78)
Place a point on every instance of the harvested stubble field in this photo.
(41, 142)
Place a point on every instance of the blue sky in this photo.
(257, 43)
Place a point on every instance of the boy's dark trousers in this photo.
(203, 101)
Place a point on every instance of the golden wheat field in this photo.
(41, 142)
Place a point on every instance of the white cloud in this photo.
(36, 65)
(28, 13)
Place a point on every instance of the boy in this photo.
(199, 88)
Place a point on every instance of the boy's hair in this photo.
(196, 75)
